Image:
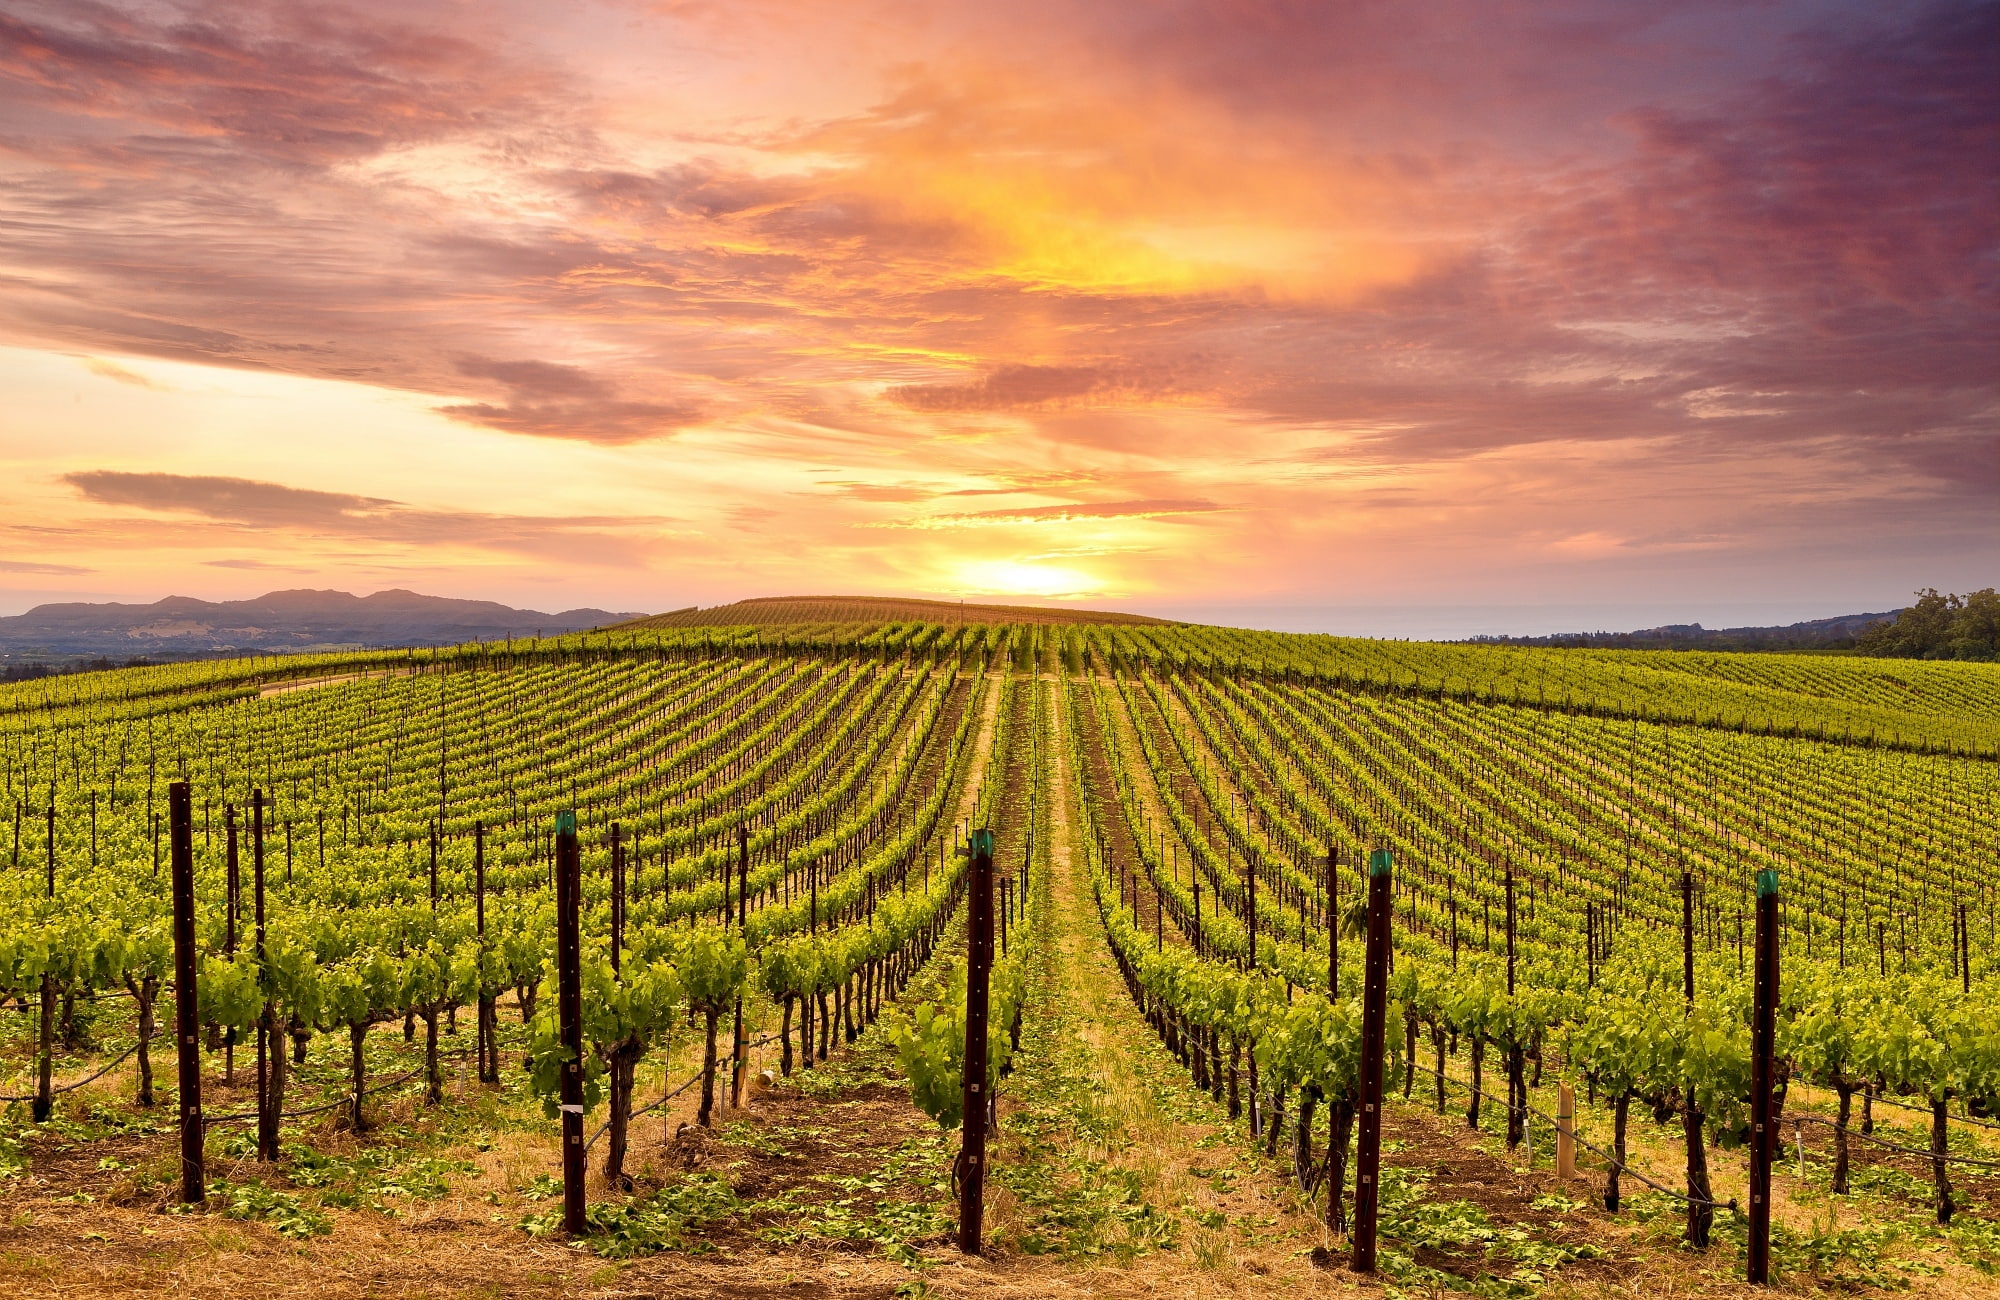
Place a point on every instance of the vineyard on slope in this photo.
(771, 818)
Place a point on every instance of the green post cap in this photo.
(982, 841)
(1767, 882)
(565, 823)
(1379, 862)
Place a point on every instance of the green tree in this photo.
(1939, 627)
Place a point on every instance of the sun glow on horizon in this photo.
(1013, 577)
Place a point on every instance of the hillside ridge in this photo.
(773, 610)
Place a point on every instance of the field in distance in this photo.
(771, 610)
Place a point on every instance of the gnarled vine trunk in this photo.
(1340, 1126)
(1940, 1172)
(1700, 1211)
(144, 993)
(1517, 1097)
(706, 1117)
(617, 1134)
(1478, 1063)
(1302, 1161)
(1621, 1107)
(433, 1080)
(1846, 1095)
(357, 1061)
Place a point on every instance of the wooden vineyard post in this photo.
(1763, 1033)
(1964, 951)
(487, 1046)
(569, 1015)
(1250, 866)
(978, 977)
(1517, 1100)
(1159, 913)
(1687, 936)
(617, 899)
(187, 1019)
(1700, 1208)
(1565, 1131)
(44, 1101)
(1374, 1025)
(267, 1094)
(232, 913)
(1194, 875)
(739, 1050)
(1333, 923)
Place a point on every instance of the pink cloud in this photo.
(1144, 254)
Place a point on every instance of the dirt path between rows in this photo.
(1109, 1162)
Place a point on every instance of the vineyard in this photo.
(703, 912)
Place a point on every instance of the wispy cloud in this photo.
(104, 369)
(255, 566)
(563, 401)
(264, 507)
(1059, 514)
(1025, 387)
(234, 499)
(31, 566)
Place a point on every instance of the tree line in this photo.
(1939, 627)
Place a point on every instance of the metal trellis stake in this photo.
(978, 980)
(569, 1012)
(1374, 1023)
(187, 1020)
(1763, 1032)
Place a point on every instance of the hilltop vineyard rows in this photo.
(772, 827)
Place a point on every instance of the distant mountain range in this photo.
(180, 627)
(60, 637)
(1815, 634)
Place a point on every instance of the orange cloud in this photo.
(112, 370)
(1128, 189)
(1060, 514)
(1431, 290)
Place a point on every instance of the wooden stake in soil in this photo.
(1700, 1205)
(617, 898)
(187, 1020)
(232, 912)
(267, 1094)
(487, 1045)
(1374, 1026)
(978, 978)
(569, 1013)
(739, 1050)
(1250, 866)
(1763, 1031)
(1333, 923)
(45, 1026)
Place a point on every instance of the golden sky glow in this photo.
(1179, 307)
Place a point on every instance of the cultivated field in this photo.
(769, 813)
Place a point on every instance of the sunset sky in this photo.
(1339, 316)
